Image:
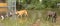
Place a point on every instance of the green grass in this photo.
(33, 16)
(8, 22)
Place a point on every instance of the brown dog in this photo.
(21, 12)
(53, 15)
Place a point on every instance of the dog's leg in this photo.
(21, 16)
(2, 18)
(26, 14)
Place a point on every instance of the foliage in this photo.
(36, 4)
(49, 3)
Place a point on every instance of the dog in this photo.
(22, 12)
(52, 14)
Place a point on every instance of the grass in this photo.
(33, 16)
(8, 22)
